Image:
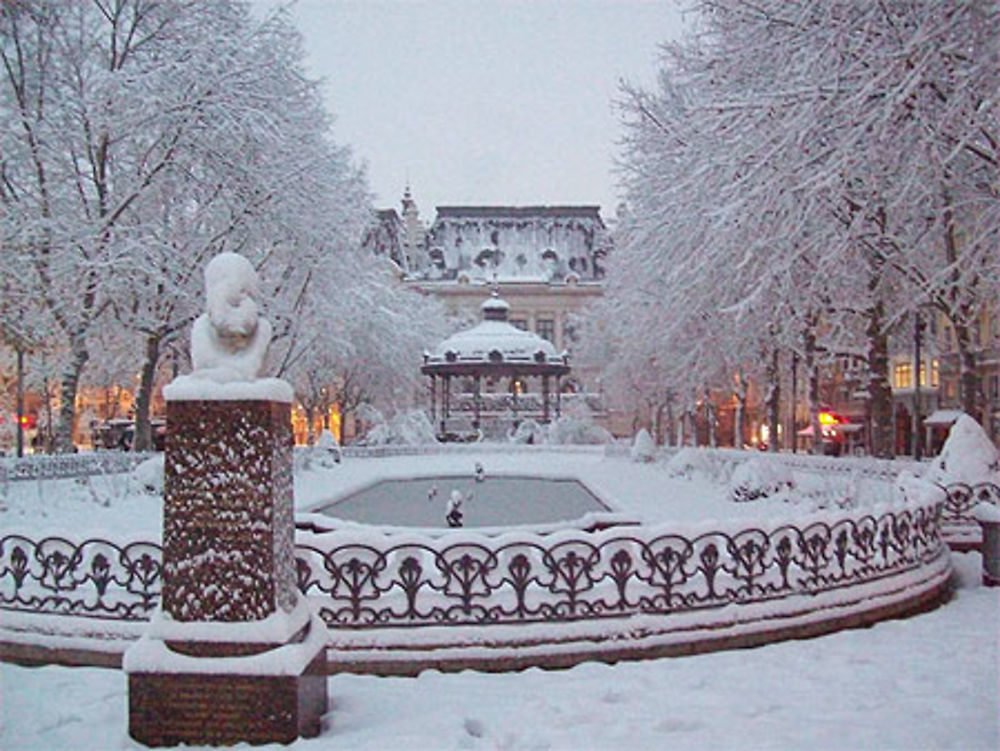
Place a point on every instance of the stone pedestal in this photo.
(235, 654)
(989, 520)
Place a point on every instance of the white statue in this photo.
(229, 341)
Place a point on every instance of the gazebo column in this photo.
(433, 387)
(446, 402)
(513, 392)
(545, 398)
(477, 401)
(558, 397)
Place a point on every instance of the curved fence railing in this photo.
(639, 570)
(463, 577)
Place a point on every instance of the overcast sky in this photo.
(483, 102)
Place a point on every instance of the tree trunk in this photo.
(773, 401)
(740, 413)
(69, 384)
(310, 411)
(710, 419)
(968, 384)
(144, 399)
(812, 386)
(879, 393)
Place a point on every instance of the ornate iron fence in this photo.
(643, 570)
(95, 578)
(463, 578)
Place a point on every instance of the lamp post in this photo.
(20, 402)
(918, 335)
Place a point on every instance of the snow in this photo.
(476, 344)
(968, 456)
(929, 681)
(986, 513)
(643, 448)
(760, 477)
(229, 341)
(195, 388)
(113, 506)
(277, 627)
(150, 655)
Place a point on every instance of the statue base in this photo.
(272, 696)
(235, 655)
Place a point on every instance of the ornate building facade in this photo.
(547, 262)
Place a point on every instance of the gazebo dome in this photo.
(494, 346)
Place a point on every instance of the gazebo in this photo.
(495, 350)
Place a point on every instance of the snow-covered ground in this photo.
(930, 681)
(116, 506)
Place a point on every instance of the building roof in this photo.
(520, 212)
(494, 346)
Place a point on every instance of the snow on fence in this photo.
(60, 466)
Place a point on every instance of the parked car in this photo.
(120, 434)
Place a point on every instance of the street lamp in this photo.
(918, 336)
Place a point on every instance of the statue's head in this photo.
(230, 289)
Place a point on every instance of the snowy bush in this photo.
(528, 431)
(574, 430)
(326, 451)
(968, 456)
(761, 477)
(643, 447)
(690, 463)
(407, 429)
(147, 476)
(912, 489)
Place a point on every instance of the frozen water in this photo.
(497, 501)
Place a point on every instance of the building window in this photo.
(902, 376)
(934, 374)
(546, 328)
(994, 388)
(519, 323)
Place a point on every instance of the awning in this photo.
(840, 427)
(943, 417)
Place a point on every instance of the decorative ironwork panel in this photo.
(95, 578)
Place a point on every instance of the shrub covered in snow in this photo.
(405, 429)
(147, 476)
(968, 456)
(528, 431)
(698, 462)
(761, 477)
(912, 489)
(643, 447)
(574, 430)
(326, 451)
